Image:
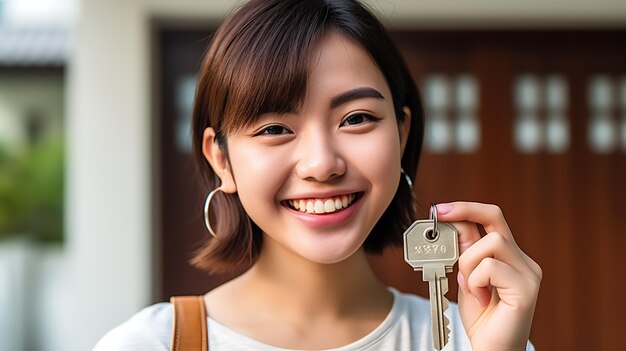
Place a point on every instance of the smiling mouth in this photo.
(324, 205)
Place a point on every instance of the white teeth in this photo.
(319, 206)
(338, 204)
(322, 205)
(329, 206)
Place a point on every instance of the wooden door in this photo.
(522, 120)
(178, 223)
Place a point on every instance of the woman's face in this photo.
(317, 181)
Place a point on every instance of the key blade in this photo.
(441, 338)
(445, 304)
(438, 285)
(438, 327)
(446, 331)
(444, 286)
(444, 322)
(443, 331)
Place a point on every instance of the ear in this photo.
(405, 128)
(218, 160)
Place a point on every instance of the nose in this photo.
(319, 159)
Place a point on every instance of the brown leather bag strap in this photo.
(190, 324)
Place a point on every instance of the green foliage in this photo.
(31, 191)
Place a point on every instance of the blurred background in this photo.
(99, 205)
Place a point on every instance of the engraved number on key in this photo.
(434, 253)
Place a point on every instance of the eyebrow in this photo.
(358, 93)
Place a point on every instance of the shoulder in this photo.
(148, 329)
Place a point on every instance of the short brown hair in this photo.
(258, 62)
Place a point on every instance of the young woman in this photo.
(305, 120)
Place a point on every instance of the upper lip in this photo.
(322, 194)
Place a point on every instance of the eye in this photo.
(359, 118)
(274, 129)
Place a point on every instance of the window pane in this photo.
(466, 93)
(601, 134)
(527, 93)
(467, 133)
(438, 134)
(557, 134)
(624, 130)
(528, 133)
(437, 93)
(556, 93)
(600, 93)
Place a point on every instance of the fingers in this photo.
(492, 245)
(491, 273)
(489, 216)
(495, 262)
(513, 288)
(502, 280)
(468, 234)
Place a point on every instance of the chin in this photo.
(331, 255)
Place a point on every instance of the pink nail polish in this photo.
(443, 208)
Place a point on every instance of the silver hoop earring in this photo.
(406, 177)
(207, 203)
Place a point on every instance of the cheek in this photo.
(258, 174)
(379, 159)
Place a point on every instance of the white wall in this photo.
(38, 12)
(109, 126)
(108, 205)
(15, 270)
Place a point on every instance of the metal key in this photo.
(432, 247)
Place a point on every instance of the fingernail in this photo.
(443, 208)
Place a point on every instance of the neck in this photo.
(283, 280)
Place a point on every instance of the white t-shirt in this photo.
(406, 328)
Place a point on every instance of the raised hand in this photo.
(498, 282)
